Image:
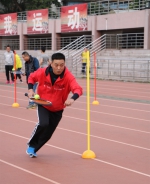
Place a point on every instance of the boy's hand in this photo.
(69, 102)
(23, 74)
(30, 93)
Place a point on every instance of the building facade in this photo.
(101, 19)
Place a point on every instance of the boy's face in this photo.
(26, 57)
(58, 66)
(8, 49)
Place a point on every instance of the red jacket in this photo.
(58, 93)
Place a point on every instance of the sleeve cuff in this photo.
(30, 86)
(75, 96)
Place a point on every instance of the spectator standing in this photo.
(18, 66)
(31, 65)
(44, 60)
(9, 62)
(84, 56)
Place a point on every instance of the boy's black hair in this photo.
(7, 46)
(43, 49)
(58, 56)
(25, 53)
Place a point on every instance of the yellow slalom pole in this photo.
(88, 153)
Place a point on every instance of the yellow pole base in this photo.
(95, 102)
(88, 154)
(15, 105)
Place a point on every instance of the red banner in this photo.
(74, 18)
(37, 21)
(8, 24)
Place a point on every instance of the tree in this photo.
(40, 4)
(11, 6)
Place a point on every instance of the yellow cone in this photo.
(95, 102)
(88, 154)
(15, 105)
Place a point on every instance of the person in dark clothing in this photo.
(31, 65)
(55, 84)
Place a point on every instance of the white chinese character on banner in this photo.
(37, 21)
(74, 18)
(7, 26)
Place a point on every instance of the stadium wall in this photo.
(97, 25)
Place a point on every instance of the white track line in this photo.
(94, 122)
(104, 93)
(110, 114)
(101, 113)
(110, 140)
(109, 91)
(120, 101)
(105, 124)
(12, 91)
(29, 172)
(72, 117)
(78, 101)
(105, 139)
(102, 161)
(110, 86)
(100, 84)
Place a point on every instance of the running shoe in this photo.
(30, 151)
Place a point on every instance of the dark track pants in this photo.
(18, 75)
(8, 68)
(83, 68)
(48, 121)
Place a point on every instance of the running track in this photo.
(120, 138)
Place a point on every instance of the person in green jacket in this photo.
(17, 66)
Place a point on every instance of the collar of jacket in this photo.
(30, 60)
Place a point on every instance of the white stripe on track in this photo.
(110, 114)
(105, 113)
(90, 104)
(117, 107)
(105, 139)
(102, 161)
(108, 124)
(139, 147)
(29, 172)
(121, 101)
(95, 122)
(101, 86)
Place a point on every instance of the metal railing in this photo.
(22, 16)
(36, 43)
(125, 41)
(133, 69)
(13, 43)
(96, 8)
(124, 69)
(96, 46)
(107, 6)
(72, 44)
(2, 66)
